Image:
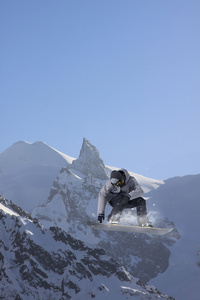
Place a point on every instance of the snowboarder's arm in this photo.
(101, 205)
(102, 197)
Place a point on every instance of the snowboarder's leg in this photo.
(142, 213)
(140, 205)
(118, 206)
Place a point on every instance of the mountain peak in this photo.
(25, 166)
(90, 162)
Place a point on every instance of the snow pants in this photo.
(118, 206)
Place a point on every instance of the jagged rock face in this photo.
(73, 201)
(89, 162)
(37, 263)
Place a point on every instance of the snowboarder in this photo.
(122, 191)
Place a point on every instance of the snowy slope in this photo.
(36, 263)
(178, 199)
(27, 172)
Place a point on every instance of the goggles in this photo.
(118, 183)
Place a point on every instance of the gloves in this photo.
(126, 199)
(100, 218)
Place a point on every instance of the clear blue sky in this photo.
(125, 74)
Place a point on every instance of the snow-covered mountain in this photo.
(38, 263)
(89, 162)
(27, 172)
(178, 199)
(61, 192)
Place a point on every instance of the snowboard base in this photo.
(128, 228)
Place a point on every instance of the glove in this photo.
(100, 218)
(126, 199)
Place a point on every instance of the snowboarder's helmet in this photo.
(116, 177)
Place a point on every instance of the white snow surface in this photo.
(27, 173)
(178, 199)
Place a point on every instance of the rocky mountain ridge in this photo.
(90, 162)
(38, 263)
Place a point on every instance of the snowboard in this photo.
(128, 228)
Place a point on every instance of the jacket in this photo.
(108, 191)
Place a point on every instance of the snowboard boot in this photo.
(144, 222)
(113, 219)
(113, 222)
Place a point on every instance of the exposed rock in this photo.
(52, 264)
(89, 162)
